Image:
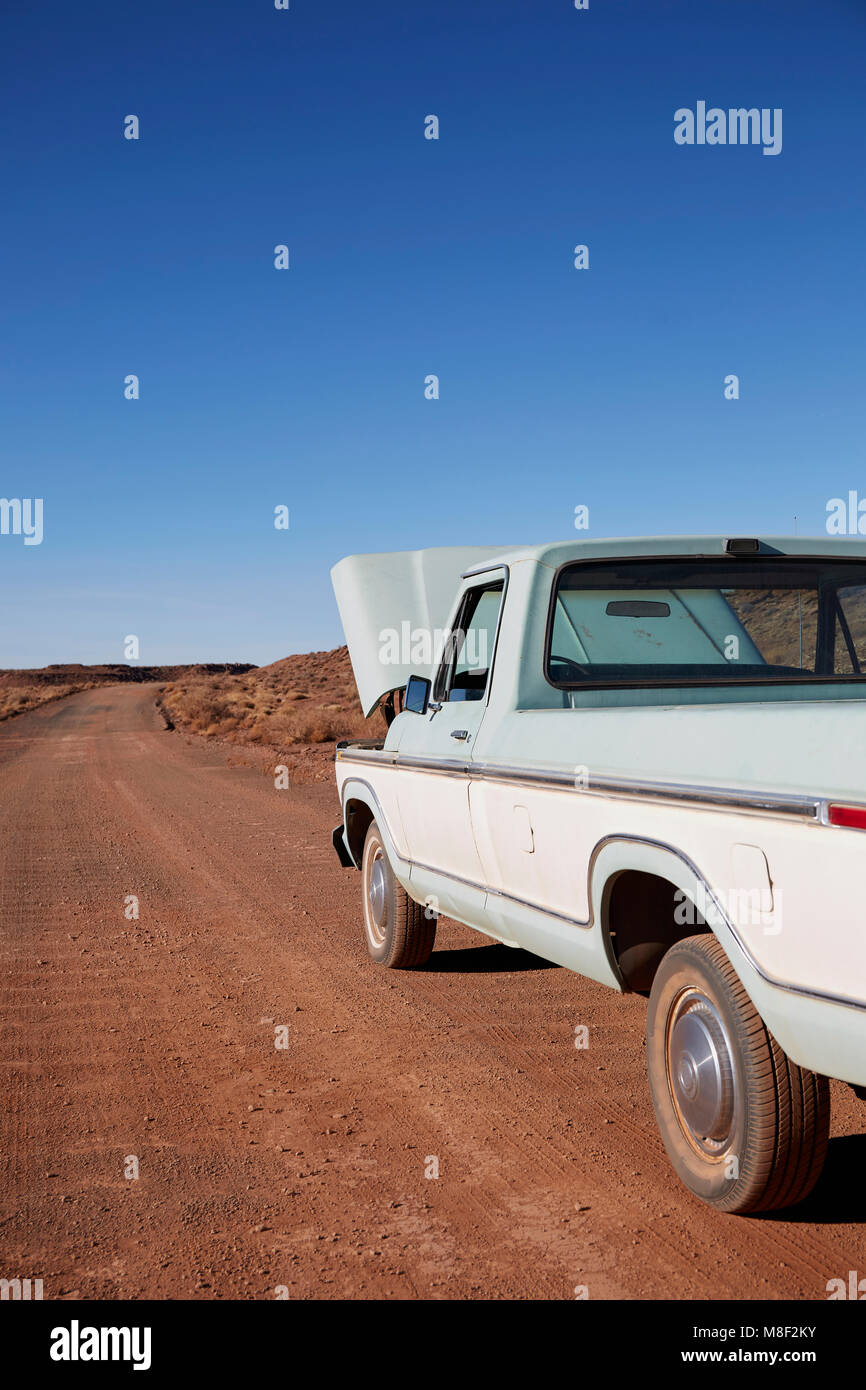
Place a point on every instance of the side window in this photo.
(465, 666)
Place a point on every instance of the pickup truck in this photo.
(643, 760)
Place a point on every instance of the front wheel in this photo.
(400, 932)
(745, 1128)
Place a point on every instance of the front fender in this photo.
(356, 792)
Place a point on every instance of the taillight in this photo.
(852, 816)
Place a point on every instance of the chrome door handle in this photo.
(460, 733)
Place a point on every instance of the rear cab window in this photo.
(705, 621)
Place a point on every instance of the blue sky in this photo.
(305, 388)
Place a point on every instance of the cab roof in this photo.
(556, 553)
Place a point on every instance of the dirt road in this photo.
(309, 1167)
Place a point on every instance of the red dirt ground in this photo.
(305, 1167)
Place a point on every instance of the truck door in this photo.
(435, 749)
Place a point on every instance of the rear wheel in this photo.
(745, 1128)
(399, 931)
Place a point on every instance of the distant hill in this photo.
(72, 672)
(23, 690)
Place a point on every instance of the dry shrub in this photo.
(311, 703)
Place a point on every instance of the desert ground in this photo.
(157, 1143)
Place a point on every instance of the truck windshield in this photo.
(707, 622)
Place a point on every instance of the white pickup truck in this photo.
(643, 760)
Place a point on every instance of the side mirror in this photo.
(417, 696)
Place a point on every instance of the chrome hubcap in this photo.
(701, 1071)
(376, 898)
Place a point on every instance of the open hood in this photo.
(392, 605)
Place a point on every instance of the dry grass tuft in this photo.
(17, 699)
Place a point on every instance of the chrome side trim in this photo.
(357, 753)
(454, 878)
(778, 803)
(810, 808)
(445, 767)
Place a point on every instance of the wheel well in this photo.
(644, 916)
(357, 823)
